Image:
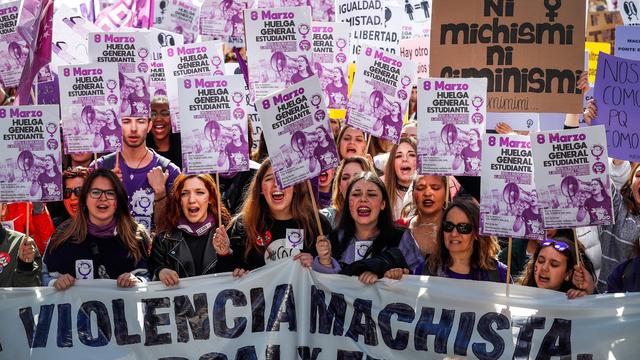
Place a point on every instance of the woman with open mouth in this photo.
(351, 142)
(365, 244)
(192, 242)
(102, 241)
(553, 266)
(399, 173)
(462, 253)
(274, 223)
(346, 171)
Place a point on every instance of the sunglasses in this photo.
(557, 244)
(97, 194)
(67, 192)
(463, 228)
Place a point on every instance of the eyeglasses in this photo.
(97, 194)
(463, 228)
(67, 192)
(557, 244)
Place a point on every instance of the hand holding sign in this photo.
(64, 282)
(127, 280)
(169, 277)
(323, 247)
(27, 251)
(221, 242)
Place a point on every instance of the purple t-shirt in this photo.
(111, 138)
(332, 89)
(50, 186)
(139, 191)
(391, 128)
(326, 156)
(139, 104)
(599, 211)
(238, 156)
(471, 160)
(532, 223)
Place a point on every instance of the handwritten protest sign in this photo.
(529, 51)
(517, 121)
(330, 47)
(282, 311)
(382, 86)
(179, 16)
(214, 124)
(628, 42)
(417, 50)
(594, 49)
(451, 114)
(616, 90)
(90, 102)
(278, 48)
(223, 19)
(298, 134)
(30, 162)
(131, 51)
(13, 48)
(369, 26)
(572, 177)
(203, 58)
(508, 201)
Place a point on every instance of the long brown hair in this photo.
(627, 193)
(256, 216)
(390, 176)
(174, 206)
(131, 233)
(485, 248)
(337, 199)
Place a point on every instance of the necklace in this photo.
(402, 188)
(139, 162)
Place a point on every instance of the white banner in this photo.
(285, 312)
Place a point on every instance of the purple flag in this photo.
(35, 28)
(132, 13)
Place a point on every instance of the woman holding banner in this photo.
(399, 173)
(553, 266)
(365, 244)
(462, 253)
(192, 242)
(102, 241)
(275, 223)
(346, 171)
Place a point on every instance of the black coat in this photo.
(171, 251)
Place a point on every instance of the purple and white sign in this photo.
(298, 134)
(508, 201)
(90, 101)
(223, 19)
(616, 90)
(627, 42)
(572, 177)
(213, 112)
(452, 114)
(13, 48)
(132, 52)
(330, 53)
(199, 59)
(380, 94)
(70, 37)
(517, 121)
(31, 158)
(179, 16)
(278, 48)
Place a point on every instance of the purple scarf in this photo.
(105, 231)
(196, 229)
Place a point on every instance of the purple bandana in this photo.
(104, 231)
(196, 229)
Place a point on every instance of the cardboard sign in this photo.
(601, 26)
(529, 51)
(417, 50)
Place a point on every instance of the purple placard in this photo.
(223, 19)
(508, 201)
(380, 93)
(30, 164)
(617, 92)
(572, 177)
(298, 134)
(13, 48)
(330, 52)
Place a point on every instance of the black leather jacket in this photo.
(171, 251)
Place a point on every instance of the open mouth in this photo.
(406, 170)
(427, 203)
(543, 278)
(364, 211)
(103, 207)
(193, 210)
(277, 195)
(351, 150)
(455, 242)
(324, 177)
(159, 127)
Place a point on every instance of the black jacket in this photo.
(171, 251)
